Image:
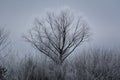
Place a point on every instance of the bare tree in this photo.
(3, 44)
(3, 39)
(58, 35)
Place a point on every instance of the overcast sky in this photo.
(103, 16)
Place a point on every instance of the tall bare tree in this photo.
(58, 34)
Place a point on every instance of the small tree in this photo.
(3, 44)
(58, 35)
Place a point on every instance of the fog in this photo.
(41, 55)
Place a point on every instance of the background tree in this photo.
(3, 39)
(58, 34)
(3, 44)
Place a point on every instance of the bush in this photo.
(92, 64)
(98, 64)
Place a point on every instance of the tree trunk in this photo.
(60, 72)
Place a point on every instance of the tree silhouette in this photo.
(58, 35)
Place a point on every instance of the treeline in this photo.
(92, 64)
(56, 36)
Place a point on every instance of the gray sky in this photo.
(103, 17)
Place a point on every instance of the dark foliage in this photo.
(2, 73)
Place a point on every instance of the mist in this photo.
(18, 18)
